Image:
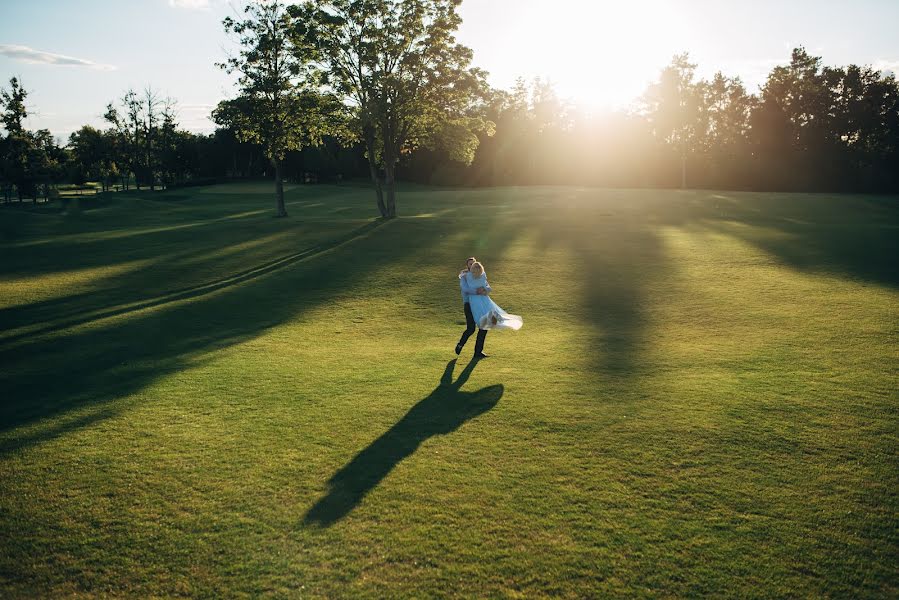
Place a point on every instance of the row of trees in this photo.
(144, 147)
(30, 161)
(385, 74)
(381, 88)
(390, 76)
(811, 128)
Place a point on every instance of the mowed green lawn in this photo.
(200, 399)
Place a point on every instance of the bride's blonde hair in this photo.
(477, 269)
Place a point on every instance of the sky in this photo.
(75, 57)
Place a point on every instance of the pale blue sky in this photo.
(74, 57)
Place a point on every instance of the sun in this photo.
(596, 53)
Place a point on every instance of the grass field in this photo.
(199, 399)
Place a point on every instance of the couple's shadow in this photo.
(443, 411)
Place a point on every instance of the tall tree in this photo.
(13, 106)
(277, 106)
(800, 89)
(397, 64)
(28, 158)
(138, 122)
(673, 107)
(150, 152)
(865, 123)
(128, 127)
(725, 108)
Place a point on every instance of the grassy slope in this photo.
(200, 399)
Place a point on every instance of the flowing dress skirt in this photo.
(488, 315)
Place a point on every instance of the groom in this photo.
(469, 318)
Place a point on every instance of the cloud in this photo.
(26, 54)
(887, 66)
(190, 4)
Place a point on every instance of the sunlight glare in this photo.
(596, 53)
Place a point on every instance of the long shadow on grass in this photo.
(201, 289)
(441, 412)
(72, 376)
(614, 237)
(616, 257)
(851, 236)
(54, 384)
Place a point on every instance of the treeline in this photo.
(810, 128)
(143, 147)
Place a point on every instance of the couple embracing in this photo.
(480, 310)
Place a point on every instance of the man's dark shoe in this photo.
(458, 348)
(480, 355)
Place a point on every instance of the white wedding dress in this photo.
(487, 313)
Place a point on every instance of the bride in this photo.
(487, 314)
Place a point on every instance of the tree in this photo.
(397, 65)
(149, 150)
(13, 105)
(865, 123)
(673, 107)
(29, 158)
(13, 160)
(277, 106)
(140, 131)
(87, 147)
(128, 127)
(723, 125)
(93, 156)
(45, 163)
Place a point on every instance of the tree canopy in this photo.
(278, 106)
(407, 81)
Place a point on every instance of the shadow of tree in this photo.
(76, 371)
(617, 254)
(270, 266)
(851, 236)
(614, 234)
(92, 365)
(441, 412)
(615, 239)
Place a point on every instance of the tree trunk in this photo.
(279, 187)
(683, 171)
(373, 169)
(390, 185)
(379, 189)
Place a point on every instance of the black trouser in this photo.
(469, 329)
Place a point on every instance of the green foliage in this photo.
(278, 106)
(12, 103)
(398, 66)
(94, 155)
(140, 135)
(29, 160)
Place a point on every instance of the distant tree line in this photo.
(810, 128)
